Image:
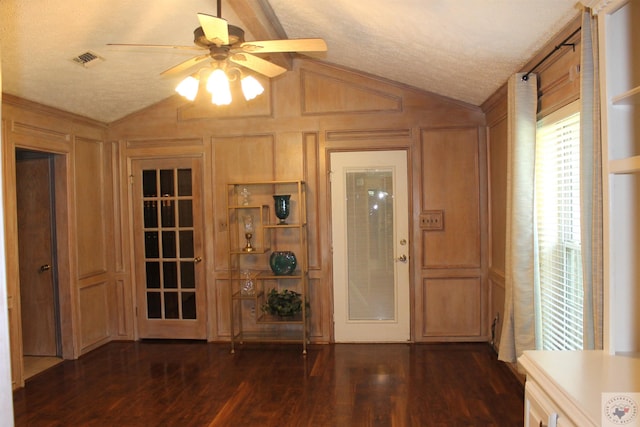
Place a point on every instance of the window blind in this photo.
(557, 201)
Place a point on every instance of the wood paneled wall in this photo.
(289, 133)
(87, 242)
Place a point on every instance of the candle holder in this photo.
(244, 196)
(248, 233)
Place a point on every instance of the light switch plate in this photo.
(432, 220)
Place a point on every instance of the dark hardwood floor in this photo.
(170, 383)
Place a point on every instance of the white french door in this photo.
(370, 229)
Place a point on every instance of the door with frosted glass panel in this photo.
(168, 248)
(370, 217)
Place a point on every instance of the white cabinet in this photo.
(539, 410)
(619, 31)
(567, 386)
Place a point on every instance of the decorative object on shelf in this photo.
(285, 303)
(248, 232)
(282, 263)
(245, 195)
(282, 207)
(247, 288)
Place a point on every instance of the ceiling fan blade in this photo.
(216, 29)
(258, 65)
(176, 69)
(287, 45)
(162, 46)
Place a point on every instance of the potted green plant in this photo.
(285, 303)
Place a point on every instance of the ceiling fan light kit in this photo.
(218, 85)
(228, 53)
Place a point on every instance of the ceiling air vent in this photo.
(87, 59)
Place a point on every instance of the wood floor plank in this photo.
(177, 383)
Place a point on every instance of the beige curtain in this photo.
(518, 329)
(591, 183)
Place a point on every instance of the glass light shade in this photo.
(188, 88)
(218, 87)
(251, 88)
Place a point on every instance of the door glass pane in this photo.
(154, 310)
(169, 244)
(149, 184)
(150, 214)
(153, 275)
(166, 182)
(184, 182)
(151, 248)
(370, 245)
(168, 213)
(170, 271)
(185, 213)
(186, 244)
(188, 305)
(187, 275)
(171, 305)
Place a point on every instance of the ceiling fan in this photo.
(225, 42)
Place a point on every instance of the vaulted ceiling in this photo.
(462, 49)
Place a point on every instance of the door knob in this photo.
(44, 268)
(197, 260)
(402, 258)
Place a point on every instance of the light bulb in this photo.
(218, 86)
(188, 88)
(251, 88)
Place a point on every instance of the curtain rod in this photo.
(564, 43)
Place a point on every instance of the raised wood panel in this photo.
(243, 158)
(368, 134)
(117, 200)
(452, 307)
(39, 132)
(290, 156)
(451, 183)
(497, 142)
(145, 143)
(15, 338)
(50, 118)
(311, 176)
(318, 301)
(94, 314)
(249, 158)
(123, 325)
(323, 94)
(221, 288)
(91, 220)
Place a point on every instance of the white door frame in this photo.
(398, 329)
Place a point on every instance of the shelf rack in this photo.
(248, 322)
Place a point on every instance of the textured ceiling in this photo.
(462, 49)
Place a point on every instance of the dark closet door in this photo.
(35, 241)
